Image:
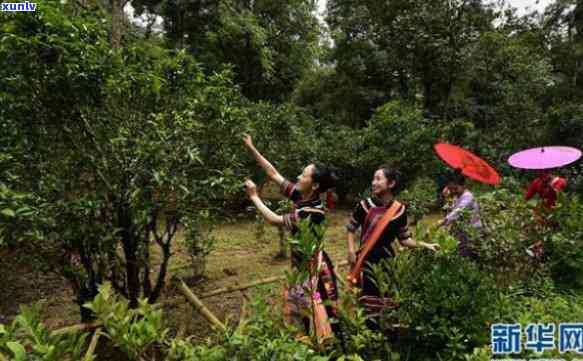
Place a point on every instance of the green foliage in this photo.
(268, 44)
(134, 331)
(504, 90)
(284, 206)
(446, 302)
(564, 122)
(563, 245)
(510, 228)
(136, 154)
(306, 243)
(399, 134)
(333, 96)
(332, 145)
(404, 47)
(266, 336)
(28, 339)
(286, 135)
(358, 340)
(14, 212)
(432, 302)
(419, 198)
(199, 241)
(105, 153)
(440, 235)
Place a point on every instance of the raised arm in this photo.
(463, 203)
(411, 243)
(270, 216)
(532, 189)
(269, 169)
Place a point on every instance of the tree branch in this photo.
(161, 273)
(171, 227)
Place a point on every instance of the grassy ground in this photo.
(238, 257)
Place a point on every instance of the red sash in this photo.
(356, 271)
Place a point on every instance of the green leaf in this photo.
(18, 350)
(184, 189)
(156, 85)
(8, 212)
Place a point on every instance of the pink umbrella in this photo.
(544, 157)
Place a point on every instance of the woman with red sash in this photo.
(382, 220)
(305, 194)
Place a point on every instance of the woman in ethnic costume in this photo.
(546, 186)
(382, 220)
(305, 195)
(464, 200)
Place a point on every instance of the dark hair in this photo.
(390, 172)
(324, 176)
(457, 178)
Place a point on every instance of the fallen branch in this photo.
(82, 327)
(243, 315)
(92, 345)
(92, 326)
(184, 324)
(199, 306)
(230, 289)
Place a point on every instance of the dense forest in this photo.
(121, 153)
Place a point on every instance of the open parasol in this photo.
(470, 165)
(544, 157)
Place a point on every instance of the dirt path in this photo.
(21, 285)
(238, 258)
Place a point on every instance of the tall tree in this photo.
(563, 25)
(269, 43)
(419, 45)
(108, 153)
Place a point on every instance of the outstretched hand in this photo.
(434, 247)
(445, 192)
(351, 258)
(248, 140)
(250, 188)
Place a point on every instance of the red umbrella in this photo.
(470, 165)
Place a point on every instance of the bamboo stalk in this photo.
(199, 306)
(91, 326)
(92, 345)
(243, 314)
(81, 327)
(230, 289)
(182, 329)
